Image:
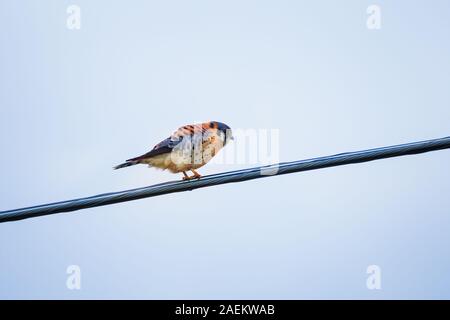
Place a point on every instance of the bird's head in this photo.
(224, 131)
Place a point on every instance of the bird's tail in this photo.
(125, 164)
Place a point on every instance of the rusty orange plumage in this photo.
(187, 149)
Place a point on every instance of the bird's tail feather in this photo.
(125, 164)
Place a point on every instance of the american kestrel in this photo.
(188, 148)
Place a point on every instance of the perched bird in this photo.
(188, 148)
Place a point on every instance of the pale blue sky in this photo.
(75, 103)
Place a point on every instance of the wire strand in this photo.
(227, 177)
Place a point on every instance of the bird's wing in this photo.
(164, 146)
(169, 144)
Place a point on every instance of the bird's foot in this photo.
(195, 176)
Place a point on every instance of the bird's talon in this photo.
(195, 176)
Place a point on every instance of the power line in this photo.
(227, 177)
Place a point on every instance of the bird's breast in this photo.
(194, 153)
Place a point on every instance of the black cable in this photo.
(227, 177)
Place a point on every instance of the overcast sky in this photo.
(75, 102)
